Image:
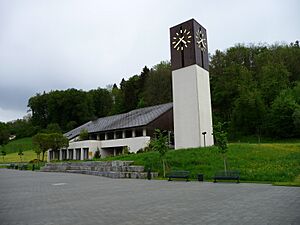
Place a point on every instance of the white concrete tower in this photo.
(191, 88)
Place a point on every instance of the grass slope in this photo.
(15, 145)
(256, 162)
(13, 157)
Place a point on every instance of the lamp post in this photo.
(204, 133)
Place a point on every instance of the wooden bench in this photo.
(229, 175)
(23, 167)
(179, 174)
(11, 166)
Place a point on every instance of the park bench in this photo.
(228, 175)
(11, 166)
(23, 167)
(179, 174)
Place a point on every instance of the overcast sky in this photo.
(59, 44)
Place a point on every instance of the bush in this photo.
(34, 161)
(97, 154)
(84, 135)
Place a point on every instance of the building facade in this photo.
(113, 135)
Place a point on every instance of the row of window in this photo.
(55, 155)
(117, 135)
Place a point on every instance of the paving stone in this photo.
(37, 198)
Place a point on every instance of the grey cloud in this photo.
(59, 44)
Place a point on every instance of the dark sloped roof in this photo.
(134, 118)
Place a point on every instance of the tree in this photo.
(38, 152)
(42, 143)
(4, 134)
(58, 141)
(76, 105)
(53, 128)
(246, 80)
(117, 100)
(273, 78)
(102, 101)
(83, 135)
(97, 154)
(3, 153)
(249, 109)
(221, 141)
(296, 119)
(20, 154)
(131, 90)
(160, 144)
(22, 128)
(282, 115)
(158, 85)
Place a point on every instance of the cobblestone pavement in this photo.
(57, 198)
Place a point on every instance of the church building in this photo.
(112, 134)
(189, 116)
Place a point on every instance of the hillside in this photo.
(278, 162)
(15, 145)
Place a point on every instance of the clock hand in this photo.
(180, 40)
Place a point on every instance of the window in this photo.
(128, 133)
(85, 153)
(93, 137)
(119, 134)
(110, 135)
(139, 132)
(71, 156)
(78, 153)
(102, 136)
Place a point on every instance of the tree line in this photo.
(255, 90)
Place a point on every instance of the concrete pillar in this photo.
(60, 154)
(105, 136)
(144, 132)
(81, 154)
(191, 107)
(123, 134)
(67, 153)
(115, 135)
(115, 152)
(133, 133)
(48, 156)
(98, 137)
(74, 154)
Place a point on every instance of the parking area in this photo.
(34, 198)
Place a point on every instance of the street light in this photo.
(204, 133)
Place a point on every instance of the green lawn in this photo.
(14, 146)
(277, 163)
(13, 157)
(256, 162)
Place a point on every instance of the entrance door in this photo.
(71, 156)
(78, 153)
(85, 153)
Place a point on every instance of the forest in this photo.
(255, 90)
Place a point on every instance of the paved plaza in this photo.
(57, 198)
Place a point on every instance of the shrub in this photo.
(97, 154)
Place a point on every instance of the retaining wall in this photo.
(112, 169)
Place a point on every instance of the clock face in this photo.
(201, 40)
(181, 40)
(189, 46)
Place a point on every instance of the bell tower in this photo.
(191, 88)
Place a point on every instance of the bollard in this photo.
(149, 174)
(200, 177)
